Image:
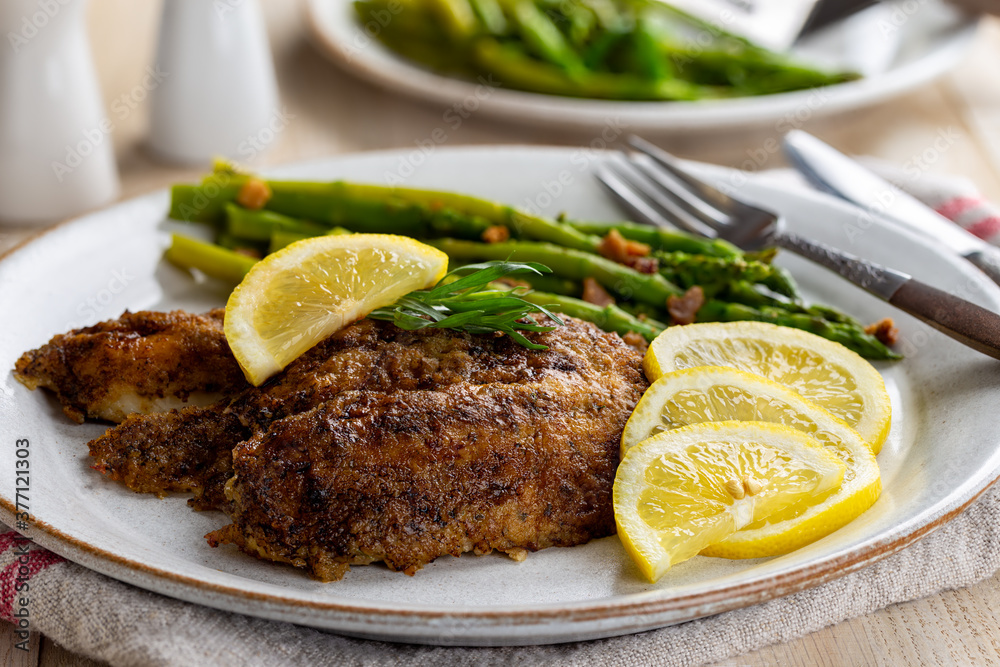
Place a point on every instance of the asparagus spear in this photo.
(659, 239)
(781, 281)
(457, 16)
(608, 318)
(620, 280)
(647, 57)
(849, 335)
(645, 311)
(205, 202)
(517, 69)
(714, 274)
(377, 209)
(542, 36)
(484, 213)
(261, 225)
(281, 238)
(232, 266)
(745, 293)
(582, 23)
(491, 16)
(209, 258)
(547, 282)
(325, 203)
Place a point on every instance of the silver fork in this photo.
(657, 190)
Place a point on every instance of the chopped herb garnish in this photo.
(468, 299)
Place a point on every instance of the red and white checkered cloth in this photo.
(954, 197)
(20, 560)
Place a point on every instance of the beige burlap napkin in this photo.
(96, 616)
(102, 618)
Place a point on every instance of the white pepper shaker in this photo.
(218, 97)
(56, 153)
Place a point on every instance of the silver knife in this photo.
(831, 171)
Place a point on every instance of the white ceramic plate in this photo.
(931, 38)
(942, 451)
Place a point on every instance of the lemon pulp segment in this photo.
(673, 492)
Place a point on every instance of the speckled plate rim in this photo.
(334, 32)
(534, 624)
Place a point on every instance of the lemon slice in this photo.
(712, 393)
(682, 490)
(822, 371)
(296, 297)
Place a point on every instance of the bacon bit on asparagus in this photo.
(595, 294)
(617, 248)
(684, 309)
(632, 254)
(254, 194)
(636, 340)
(248, 252)
(647, 265)
(513, 282)
(495, 234)
(884, 330)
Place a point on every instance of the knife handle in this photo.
(962, 320)
(988, 262)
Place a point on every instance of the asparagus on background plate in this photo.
(608, 49)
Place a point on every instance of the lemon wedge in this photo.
(683, 490)
(822, 371)
(296, 297)
(713, 393)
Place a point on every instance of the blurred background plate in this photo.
(923, 39)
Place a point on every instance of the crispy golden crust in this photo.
(141, 362)
(185, 451)
(406, 477)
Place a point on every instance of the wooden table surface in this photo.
(334, 113)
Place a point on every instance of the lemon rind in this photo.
(640, 540)
(246, 343)
(877, 417)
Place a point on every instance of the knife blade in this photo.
(829, 170)
(773, 24)
(830, 11)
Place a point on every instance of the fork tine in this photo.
(678, 190)
(702, 190)
(629, 199)
(653, 195)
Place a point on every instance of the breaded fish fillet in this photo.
(142, 362)
(405, 477)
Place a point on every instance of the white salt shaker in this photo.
(56, 153)
(218, 97)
